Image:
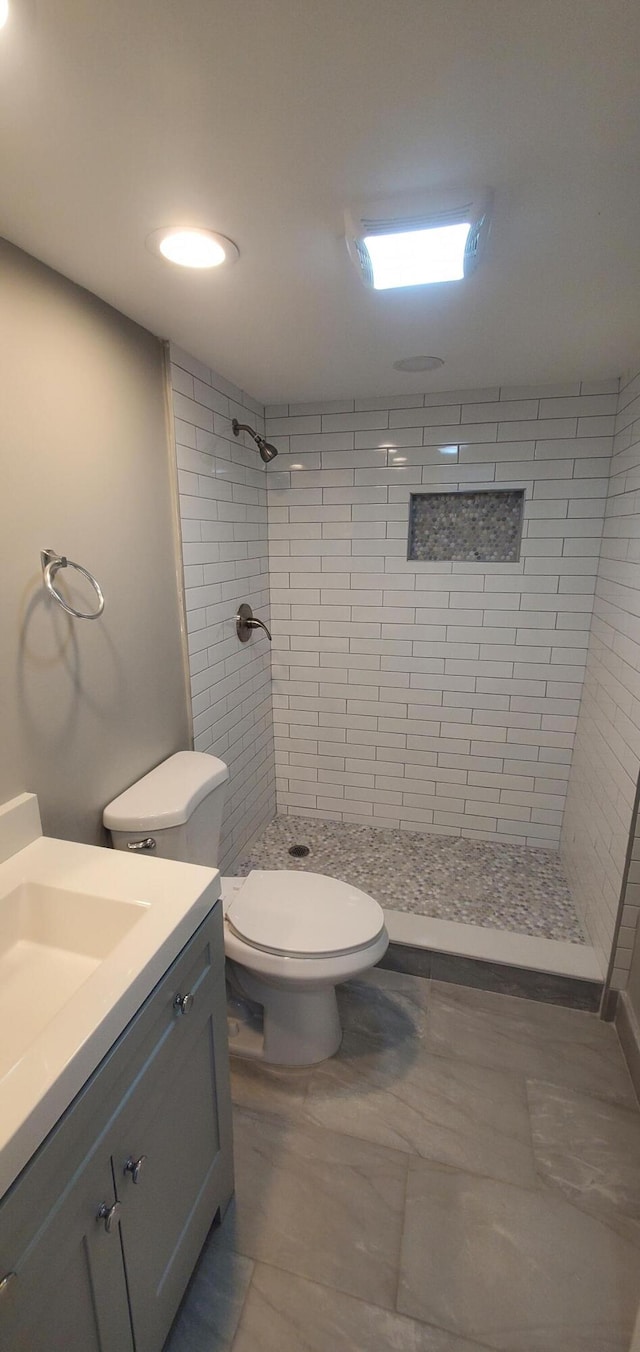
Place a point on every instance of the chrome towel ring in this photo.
(51, 562)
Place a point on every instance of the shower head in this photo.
(267, 451)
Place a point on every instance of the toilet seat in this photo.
(296, 914)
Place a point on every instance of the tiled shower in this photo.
(450, 690)
(440, 698)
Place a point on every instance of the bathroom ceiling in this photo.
(263, 119)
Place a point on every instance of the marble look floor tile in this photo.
(208, 1317)
(522, 1271)
(318, 1204)
(440, 1108)
(542, 1042)
(390, 1007)
(413, 988)
(266, 1089)
(590, 1151)
(288, 1314)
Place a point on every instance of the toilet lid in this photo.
(303, 914)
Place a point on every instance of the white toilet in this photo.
(290, 936)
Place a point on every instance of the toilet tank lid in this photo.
(167, 795)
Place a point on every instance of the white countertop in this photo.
(48, 1069)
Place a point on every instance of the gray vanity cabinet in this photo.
(173, 1133)
(69, 1290)
(104, 1226)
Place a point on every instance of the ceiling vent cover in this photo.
(410, 241)
(363, 261)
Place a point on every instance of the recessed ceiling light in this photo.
(4, 12)
(418, 364)
(192, 248)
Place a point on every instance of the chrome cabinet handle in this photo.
(109, 1214)
(183, 1004)
(147, 844)
(246, 622)
(6, 1281)
(134, 1167)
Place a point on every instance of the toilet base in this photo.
(300, 1027)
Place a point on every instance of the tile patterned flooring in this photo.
(463, 1176)
(481, 882)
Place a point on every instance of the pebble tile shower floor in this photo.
(463, 1175)
(508, 887)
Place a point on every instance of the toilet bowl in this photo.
(290, 936)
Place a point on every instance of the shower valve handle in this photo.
(246, 622)
(255, 623)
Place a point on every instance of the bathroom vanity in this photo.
(100, 1229)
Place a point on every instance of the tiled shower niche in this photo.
(466, 527)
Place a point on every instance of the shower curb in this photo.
(525, 982)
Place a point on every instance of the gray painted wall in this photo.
(85, 709)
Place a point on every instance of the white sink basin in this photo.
(51, 941)
(85, 935)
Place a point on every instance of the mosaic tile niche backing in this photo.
(479, 527)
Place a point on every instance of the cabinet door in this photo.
(69, 1293)
(178, 1118)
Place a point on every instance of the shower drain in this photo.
(299, 851)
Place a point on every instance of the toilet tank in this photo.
(178, 806)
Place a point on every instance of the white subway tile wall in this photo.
(440, 697)
(223, 511)
(606, 764)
